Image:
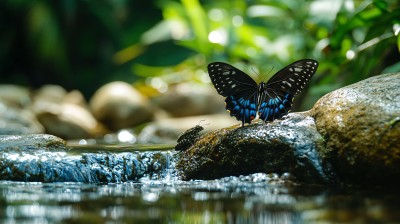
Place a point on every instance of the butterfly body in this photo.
(272, 99)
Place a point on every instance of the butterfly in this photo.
(272, 99)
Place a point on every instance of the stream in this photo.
(161, 197)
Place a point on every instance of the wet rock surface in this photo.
(360, 125)
(46, 158)
(34, 142)
(289, 145)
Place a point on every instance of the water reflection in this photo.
(257, 198)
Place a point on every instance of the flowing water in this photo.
(164, 198)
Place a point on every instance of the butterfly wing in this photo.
(239, 89)
(228, 79)
(243, 106)
(277, 94)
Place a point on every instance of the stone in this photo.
(65, 114)
(52, 93)
(67, 120)
(195, 99)
(118, 105)
(360, 124)
(15, 120)
(75, 97)
(31, 142)
(13, 95)
(290, 145)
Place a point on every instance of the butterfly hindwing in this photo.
(243, 106)
(275, 107)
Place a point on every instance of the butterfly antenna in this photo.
(256, 72)
(268, 73)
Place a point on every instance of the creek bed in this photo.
(255, 198)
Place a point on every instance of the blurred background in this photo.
(156, 45)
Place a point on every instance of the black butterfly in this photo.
(272, 99)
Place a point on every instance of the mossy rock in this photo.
(289, 145)
(361, 127)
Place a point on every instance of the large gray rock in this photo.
(360, 124)
(289, 145)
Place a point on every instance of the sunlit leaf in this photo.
(128, 54)
(398, 42)
(198, 21)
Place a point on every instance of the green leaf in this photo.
(198, 20)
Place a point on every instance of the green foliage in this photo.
(83, 44)
(352, 40)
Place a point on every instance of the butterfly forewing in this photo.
(229, 80)
(294, 77)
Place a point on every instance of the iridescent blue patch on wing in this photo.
(243, 109)
(275, 108)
